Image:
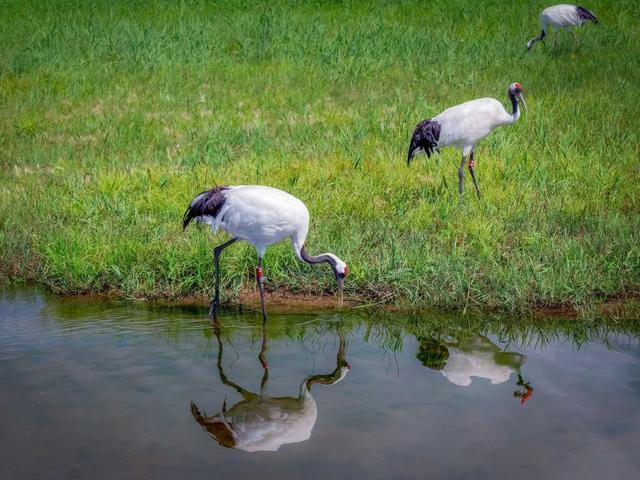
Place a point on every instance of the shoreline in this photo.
(619, 306)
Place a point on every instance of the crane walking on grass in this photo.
(261, 216)
(565, 17)
(463, 126)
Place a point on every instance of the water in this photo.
(94, 390)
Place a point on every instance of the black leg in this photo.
(263, 357)
(575, 37)
(215, 303)
(461, 175)
(472, 169)
(260, 280)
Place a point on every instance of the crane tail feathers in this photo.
(425, 137)
(586, 14)
(208, 203)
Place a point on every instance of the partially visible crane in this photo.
(565, 17)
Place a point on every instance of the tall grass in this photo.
(114, 114)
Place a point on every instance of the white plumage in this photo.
(466, 356)
(263, 423)
(476, 356)
(261, 216)
(466, 124)
(463, 126)
(260, 422)
(562, 17)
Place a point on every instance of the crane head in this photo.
(340, 270)
(515, 89)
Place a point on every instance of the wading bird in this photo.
(463, 126)
(261, 216)
(565, 17)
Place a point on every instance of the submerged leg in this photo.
(215, 303)
(461, 173)
(260, 280)
(472, 170)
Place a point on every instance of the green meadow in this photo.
(115, 114)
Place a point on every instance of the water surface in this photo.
(98, 390)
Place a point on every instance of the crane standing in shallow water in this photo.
(565, 17)
(261, 216)
(463, 126)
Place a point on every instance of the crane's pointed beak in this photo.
(521, 97)
(340, 292)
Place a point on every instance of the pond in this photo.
(108, 390)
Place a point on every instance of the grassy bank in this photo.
(115, 114)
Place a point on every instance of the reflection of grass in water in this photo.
(182, 326)
(432, 354)
(113, 121)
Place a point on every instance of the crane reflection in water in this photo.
(260, 422)
(464, 355)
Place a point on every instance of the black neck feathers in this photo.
(514, 102)
(318, 259)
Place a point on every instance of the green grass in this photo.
(114, 114)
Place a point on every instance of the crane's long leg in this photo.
(263, 357)
(461, 174)
(215, 303)
(575, 37)
(472, 170)
(246, 394)
(260, 280)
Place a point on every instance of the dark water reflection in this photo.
(103, 391)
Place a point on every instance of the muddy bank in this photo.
(626, 306)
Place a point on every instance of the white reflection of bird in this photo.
(262, 423)
(468, 356)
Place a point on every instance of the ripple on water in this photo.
(164, 392)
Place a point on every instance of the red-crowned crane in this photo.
(565, 17)
(463, 126)
(261, 216)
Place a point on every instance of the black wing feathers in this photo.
(425, 137)
(209, 203)
(586, 14)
